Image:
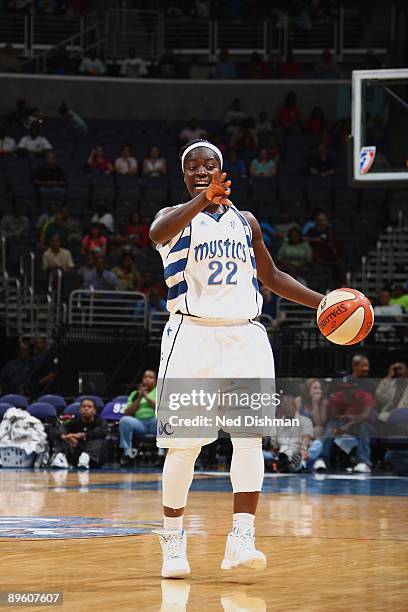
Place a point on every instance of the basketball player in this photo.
(211, 333)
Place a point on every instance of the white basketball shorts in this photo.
(196, 348)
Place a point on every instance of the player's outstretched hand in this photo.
(219, 189)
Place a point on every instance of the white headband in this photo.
(207, 145)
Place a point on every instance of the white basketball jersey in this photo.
(210, 268)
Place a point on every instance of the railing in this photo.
(157, 321)
(150, 33)
(3, 259)
(27, 269)
(126, 309)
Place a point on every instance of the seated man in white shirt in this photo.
(33, 143)
(126, 164)
(56, 257)
(92, 65)
(7, 145)
(386, 309)
(133, 67)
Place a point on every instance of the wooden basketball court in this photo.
(334, 544)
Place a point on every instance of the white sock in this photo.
(173, 523)
(242, 519)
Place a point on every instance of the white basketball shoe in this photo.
(240, 550)
(174, 549)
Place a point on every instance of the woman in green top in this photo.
(295, 254)
(140, 415)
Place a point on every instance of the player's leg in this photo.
(178, 474)
(247, 472)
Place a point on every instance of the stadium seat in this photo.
(120, 400)
(17, 401)
(96, 398)
(55, 400)
(42, 411)
(112, 411)
(73, 409)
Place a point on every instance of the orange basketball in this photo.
(345, 316)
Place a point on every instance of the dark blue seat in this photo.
(15, 400)
(55, 400)
(42, 411)
(73, 409)
(112, 411)
(96, 398)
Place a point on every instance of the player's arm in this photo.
(172, 220)
(277, 281)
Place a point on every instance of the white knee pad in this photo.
(247, 465)
(178, 474)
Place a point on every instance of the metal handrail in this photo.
(3, 263)
(40, 60)
(31, 276)
(108, 308)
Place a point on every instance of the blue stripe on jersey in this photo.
(182, 243)
(173, 268)
(255, 284)
(253, 262)
(177, 290)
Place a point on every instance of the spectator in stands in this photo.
(153, 163)
(274, 148)
(94, 241)
(289, 117)
(225, 68)
(48, 216)
(326, 68)
(235, 114)
(49, 178)
(292, 443)
(16, 371)
(14, 225)
(98, 163)
(102, 279)
(245, 140)
(133, 67)
(45, 367)
(92, 65)
(234, 166)
(191, 132)
(138, 231)
(73, 225)
(72, 119)
(312, 221)
(392, 391)
(316, 123)
(313, 404)
(59, 61)
(350, 411)
(262, 166)
(268, 232)
(167, 67)
(56, 257)
(295, 254)
(57, 227)
(257, 68)
(128, 274)
(9, 61)
(399, 296)
(360, 372)
(139, 417)
(386, 309)
(290, 68)
(33, 143)
(263, 127)
(155, 301)
(87, 271)
(148, 283)
(126, 164)
(7, 144)
(322, 164)
(103, 217)
(328, 250)
(284, 225)
(80, 442)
